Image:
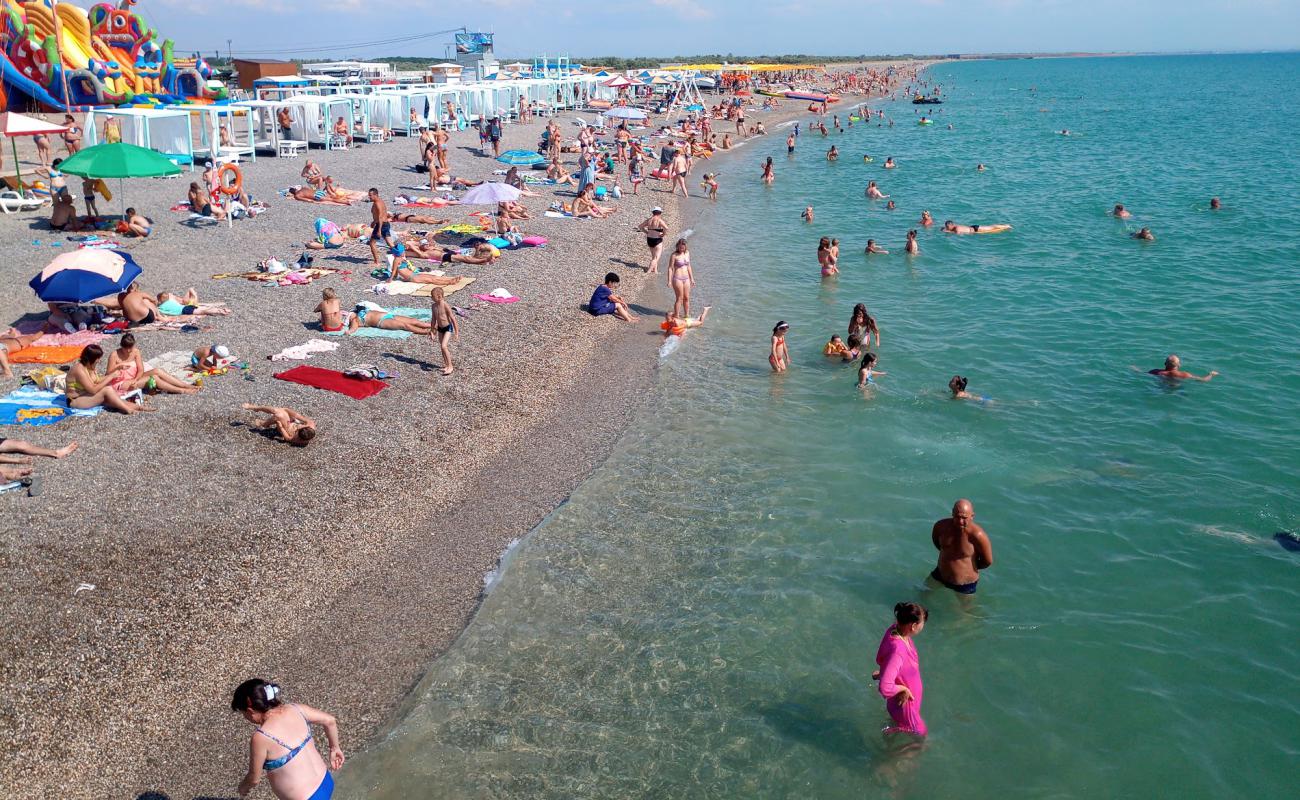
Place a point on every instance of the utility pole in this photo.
(230, 54)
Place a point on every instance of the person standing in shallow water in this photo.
(964, 549)
(282, 744)
(899, 670)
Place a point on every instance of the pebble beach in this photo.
(343, 569)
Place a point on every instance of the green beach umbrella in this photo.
(119, 160)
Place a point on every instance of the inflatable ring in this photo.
(234, 187)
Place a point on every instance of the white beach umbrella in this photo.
(625, 113)
(486, 194)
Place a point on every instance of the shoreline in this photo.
(198, 589)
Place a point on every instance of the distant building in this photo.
(251, 69)
(474, 54)
(365, 71)
(446, 73)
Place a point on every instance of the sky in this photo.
(265, 28)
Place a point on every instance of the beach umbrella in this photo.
(80, 276)
(13, 124)
(521, 157)
(489, 194)
(625, 113)
(621, 82)
(119, 160)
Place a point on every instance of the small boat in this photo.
(926, 101)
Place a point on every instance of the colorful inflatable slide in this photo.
(61, 56)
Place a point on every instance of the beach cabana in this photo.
(266, 125)
(280, 87)
(319, 113)
(165, 131)
(208, 120)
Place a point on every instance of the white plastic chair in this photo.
(12, 203)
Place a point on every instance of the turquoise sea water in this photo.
(700, 619)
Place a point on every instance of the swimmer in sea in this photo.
(867, 370)
(1145, 235)
(779, 357)
(867, 159)
(768, 174)
(1174, 371)
(889, 162)
(951, 227)
(957, 385)
(912, 248)
(807, 214)
(872, 250)
(1120, 212)
(789, 143)
(1065, 132)
(964, 549)
(926, 219)
(899, 670)
(832, 154)
(874, 193)
(890, 206)
(826, 258)
(979, 167)
(1215, 205)
(676, 326)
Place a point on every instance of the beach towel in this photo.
(37, 354)
(80, 339)
(383, 333)
(487, 298)
(305, 350)
(407, 288)
(558, 215)
(332, 381)
(176, 363)
(28, 405)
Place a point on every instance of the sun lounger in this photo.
(12, 202)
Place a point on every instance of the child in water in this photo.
(867, 370)
(779, 357)
(710, 185)
(836, 347)
(807, 214)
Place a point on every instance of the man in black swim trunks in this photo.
(380, 229)
(964, 549)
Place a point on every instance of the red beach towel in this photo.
(333, 381)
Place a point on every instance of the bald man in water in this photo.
(963, 547)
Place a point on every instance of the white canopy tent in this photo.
(168, 132)
(266, 125)
(210, 119)
(319, 113)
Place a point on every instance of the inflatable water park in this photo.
(58, 56)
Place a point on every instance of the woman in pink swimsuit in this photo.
(900, 670)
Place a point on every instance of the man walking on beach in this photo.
(494, 136)
(677, 173)
(441, 137)
(964, 549)
(379, 225)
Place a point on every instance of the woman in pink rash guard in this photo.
(900, 670)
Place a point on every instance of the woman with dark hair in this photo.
(135, 376)
(900, 670)
(296, 771)
(864, 325)
(85, 389)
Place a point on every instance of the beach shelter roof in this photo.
(15, 124)
(622, 81)
(80, 276)
(518, 66)
(604, 73)
(661, 80)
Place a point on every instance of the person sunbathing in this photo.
(559, 174)
(138, 308)
(404, 270)
(418, 219)
(514, 179)
(289, 425)
(308, 194)
(341, 130)
(333, 318)
(11, 341)
(312, 174)
(442, 177)
(170, 305)
(328, 236)
(201, 203)
(369, 315)
(63, 217)
(126, 371)
(585, 205)
(85, 389)
(482, 253)
(17, 467)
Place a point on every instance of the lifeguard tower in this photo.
(474, 54)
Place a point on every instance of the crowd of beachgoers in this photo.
(394, 234)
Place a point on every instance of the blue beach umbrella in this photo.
(84, 275)
(521, 157)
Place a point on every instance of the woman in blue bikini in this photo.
(282, 744)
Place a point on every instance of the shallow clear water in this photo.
(700, 619)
